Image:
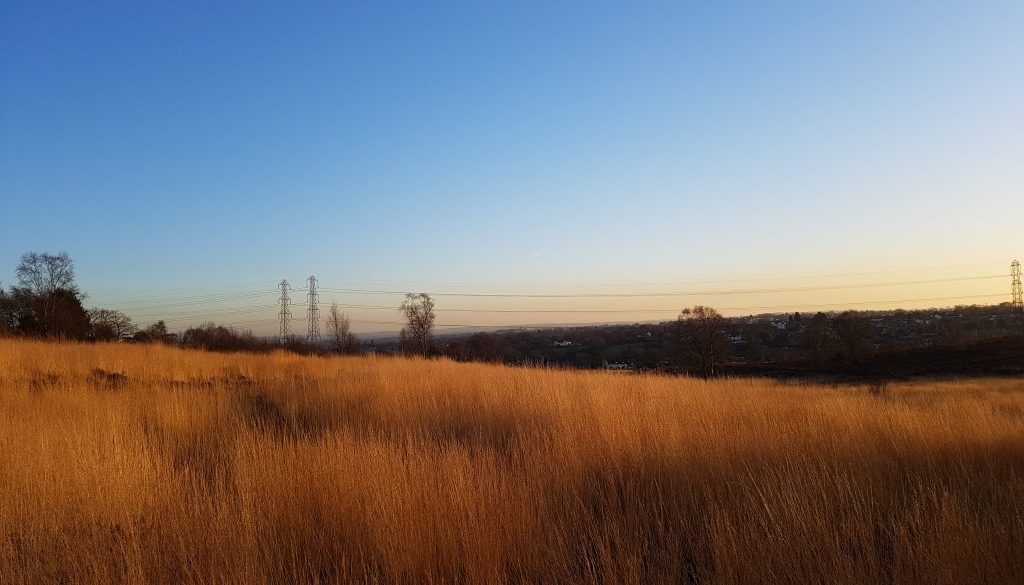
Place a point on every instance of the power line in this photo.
(200, 300)
(205, 316)
(313, 312)
(174, 298)
(164, 301)
(523, 325)
(184, 312)
(695, 281)
(806, 306)
(192, 303)
(676, 310)
(194, 316)
(254, 323)
(675, 294)
(223, 285)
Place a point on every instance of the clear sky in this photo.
(182, 149)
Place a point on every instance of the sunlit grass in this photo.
(151, 464)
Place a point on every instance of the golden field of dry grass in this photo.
(148, 464)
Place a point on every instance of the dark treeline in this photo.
(46, 302)
(701, 342)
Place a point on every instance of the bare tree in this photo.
(417, 335)
(701, 332)
(44, 274)
(339, 328)
(109, 325)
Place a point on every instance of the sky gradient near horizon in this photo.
(186, 150)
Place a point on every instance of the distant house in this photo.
(617, 366)
(563, 344)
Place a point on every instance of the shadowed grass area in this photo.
(148, 464)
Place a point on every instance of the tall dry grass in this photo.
(146, 464)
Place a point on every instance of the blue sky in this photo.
(543, 145)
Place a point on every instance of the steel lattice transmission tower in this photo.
(1017, 301)
(285, 314)
(313, 312)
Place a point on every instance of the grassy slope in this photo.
(197, 467)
